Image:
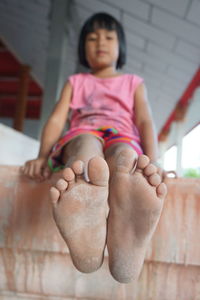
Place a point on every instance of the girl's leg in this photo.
(80, 206)
(82, 147)
(136, 196)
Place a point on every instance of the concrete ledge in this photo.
(16, 147)
(35, 264)
(43, 275)
(176, 239)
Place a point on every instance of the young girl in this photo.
(110, 192)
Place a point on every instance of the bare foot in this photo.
(80, 211)
(136, 199)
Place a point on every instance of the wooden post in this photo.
(162, 149)
(21, 104)
(179, 143)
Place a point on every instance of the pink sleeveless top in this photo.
(98, 102)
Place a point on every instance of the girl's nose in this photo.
(101, 40)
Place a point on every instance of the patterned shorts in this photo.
(108, 136)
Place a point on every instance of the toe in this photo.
(98, 171)
(154, 179)
(161, 190)
(68, 174)
(150, 170)
(126, 161)
(77, 167)
(54, 195)
(142, 162)
(62, 184)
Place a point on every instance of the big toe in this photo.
(126, 161)
(98, 171)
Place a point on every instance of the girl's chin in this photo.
(102, 65)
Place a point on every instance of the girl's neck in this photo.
(105, 72)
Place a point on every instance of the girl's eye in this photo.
(109, 38)
(91, 38)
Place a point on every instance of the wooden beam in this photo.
(183, 101)
(21, 104)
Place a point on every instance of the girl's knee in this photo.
(121, 155)
(121, 150)
(85, 139)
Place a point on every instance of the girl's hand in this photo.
(36, 169)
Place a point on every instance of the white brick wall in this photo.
(170, 58)
(98, 6)
(178, 7)
(135, 40)
(194, 12)
(149, 32)
(136, 8)
(188, 51)
(163, 40)
(176, 26)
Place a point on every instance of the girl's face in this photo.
(102, 49)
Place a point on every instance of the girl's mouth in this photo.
(101, 52)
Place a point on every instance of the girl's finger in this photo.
(46, 172)
(21, 169)
(38, 172)
(31, 171)
(25, 170)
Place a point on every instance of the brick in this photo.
(194, 12)
(82, 14)
(98, 6)
(189, 51)
(178, 74)
(176, 26)
(137, 8)
(178, 7)
(170, 58)
(134, 65)
(150, 60)
(151, 82)
(135, 40)
(131, 70)
(150, 32)
(152, 73)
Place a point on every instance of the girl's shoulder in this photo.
(132, 80)
(76, 78)
(129, 78)
(133, 76)
(76, 75)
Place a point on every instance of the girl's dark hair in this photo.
(105, 21)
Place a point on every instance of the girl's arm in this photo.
(37, 168)
(144, 123)
(56, 122)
